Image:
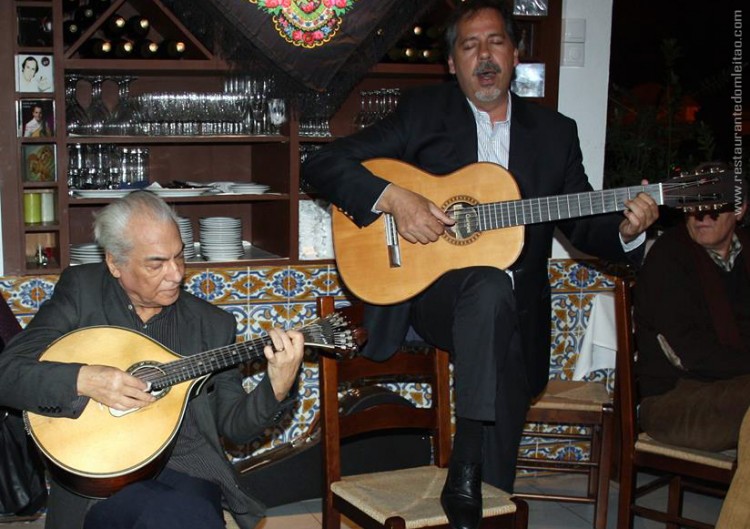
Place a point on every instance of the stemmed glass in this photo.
(76, 119)
(122, 120)
(258, 89)
(276, 113)
(97, 111)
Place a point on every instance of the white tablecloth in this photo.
(599, 345)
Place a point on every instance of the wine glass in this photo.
(76, 119)
(276, 113)
(98, 112)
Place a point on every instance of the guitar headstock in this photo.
(335, 335)
(702, 191)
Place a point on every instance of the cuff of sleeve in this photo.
(635, 243)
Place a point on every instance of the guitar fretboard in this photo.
(323, 333)
(545, 209)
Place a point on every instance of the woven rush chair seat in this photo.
(574, 404)
(573, 395)
(412, 494)
(724, 460)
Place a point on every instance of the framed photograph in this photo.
(529, 80)
(531, 8)
(34, 26)
(39, 162)
(526, 39)
(36, 118)
(34, 73)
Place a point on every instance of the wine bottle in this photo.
(114, 27)
(71, 31)
(137, 27)
(98, 49)
(123, 49)
(84, 16)
(172, 49)
(100, 6)
(146, 49)
(70, 5)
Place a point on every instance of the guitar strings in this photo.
(199, 364)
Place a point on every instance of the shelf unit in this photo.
(270, 221)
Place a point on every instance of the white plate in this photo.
(101, 193)
(169, 192)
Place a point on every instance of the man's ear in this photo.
(113, 268)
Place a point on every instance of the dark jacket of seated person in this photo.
(692, 315)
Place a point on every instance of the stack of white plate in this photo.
(249, 188)
(186, 233)
(89, 252)
(221, 238)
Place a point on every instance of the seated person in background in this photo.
(692, 315)
(140, 287)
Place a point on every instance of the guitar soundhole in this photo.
(466, 229)
(150, 372)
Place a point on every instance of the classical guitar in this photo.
(103, 450)
(381, 268)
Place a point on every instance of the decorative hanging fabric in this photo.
(309, 46)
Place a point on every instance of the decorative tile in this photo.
(240, 315)
(288, 283)
(263, 316)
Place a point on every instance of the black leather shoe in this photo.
(462, 495)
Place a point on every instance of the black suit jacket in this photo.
(86, 296)
(434, 129)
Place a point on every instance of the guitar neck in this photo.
(545, 209)
(198, 365)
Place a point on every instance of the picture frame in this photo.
(526, 37)
(36, 118)
(529, 80)
(39, 162)
(34, 26)
(531, 8)
(34, 73)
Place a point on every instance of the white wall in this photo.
(583, 90)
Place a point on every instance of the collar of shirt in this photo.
(735, 247)
(493, 141)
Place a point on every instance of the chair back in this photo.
(430, 366)
(626, 398)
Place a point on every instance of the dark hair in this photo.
(27, 59)
(470, 8)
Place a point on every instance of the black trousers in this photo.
(471, 312)
(171, 501)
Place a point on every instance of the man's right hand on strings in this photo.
(417, 219)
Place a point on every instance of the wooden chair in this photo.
(576, 403)
(406, 497)
(676, 467)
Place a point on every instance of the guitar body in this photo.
(362, 255)
(98, 453)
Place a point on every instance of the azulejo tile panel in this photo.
(264, 297)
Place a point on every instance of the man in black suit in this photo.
(140, 288)
(494, 322)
